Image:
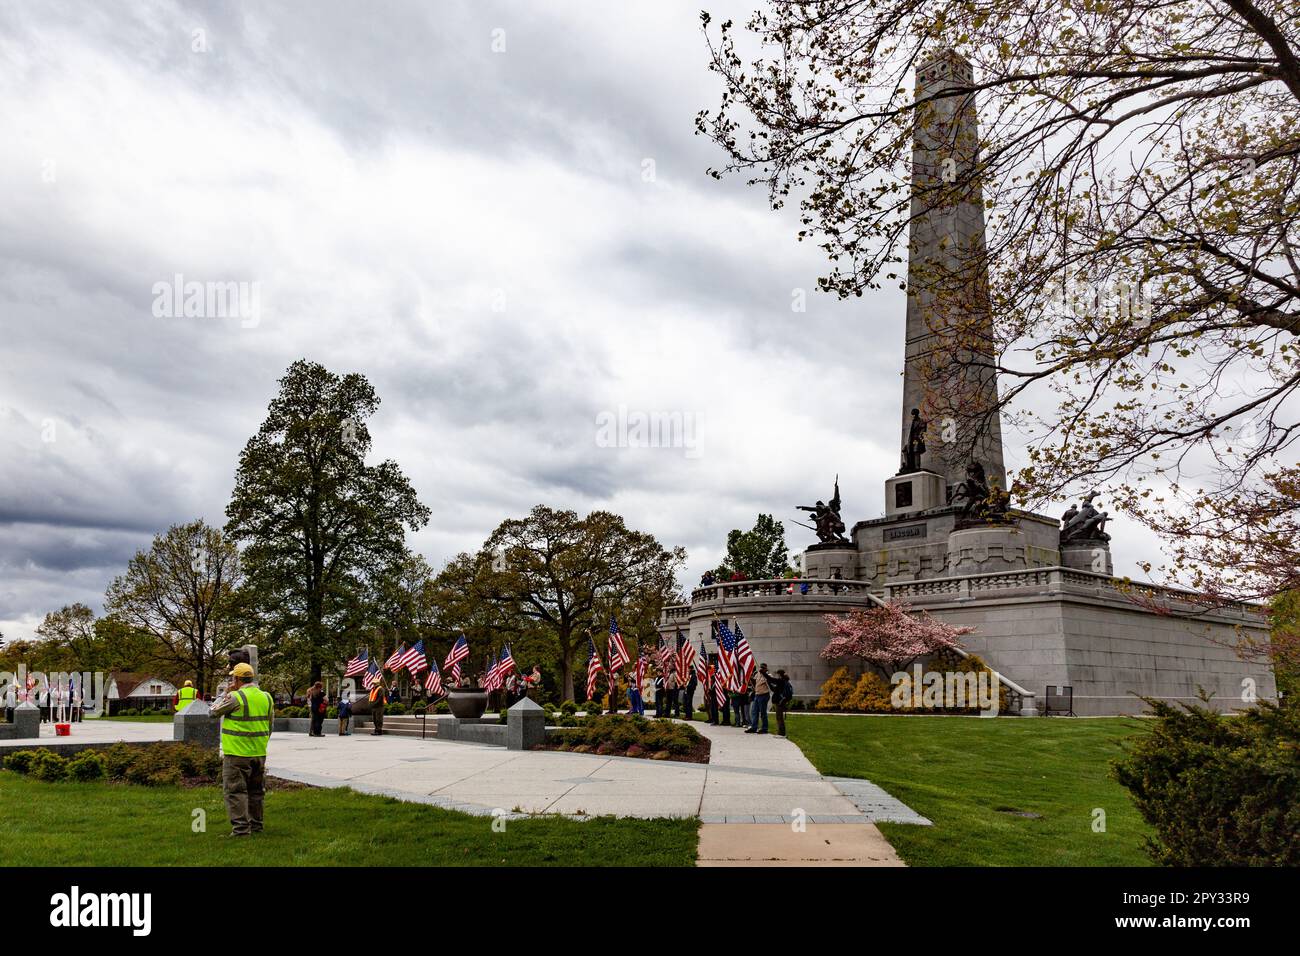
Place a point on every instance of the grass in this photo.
(103, 824)
(965, 773)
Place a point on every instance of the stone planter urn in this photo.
(467, 703)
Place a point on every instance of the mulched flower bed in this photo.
(617, 735)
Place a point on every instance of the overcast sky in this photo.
(498, 213)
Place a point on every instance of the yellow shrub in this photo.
(870, 695)
(837, 691)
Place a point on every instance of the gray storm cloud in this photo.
(506, 243)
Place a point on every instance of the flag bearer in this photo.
(246, 712)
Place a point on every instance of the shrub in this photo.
(332, 713)
(568, 708)
(86, 766)
(47, 765)
(837, 690)
(117, 758)
(20, 761)
(593, 706)
(396, 710)
(870, 694)
(1219, 791)
(633, 736)
(151, 768)
(442, 707)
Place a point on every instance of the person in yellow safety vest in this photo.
(186, 696)
(246, 712)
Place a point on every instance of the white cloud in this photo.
(388, 188)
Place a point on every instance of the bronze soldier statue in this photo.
(826, 518)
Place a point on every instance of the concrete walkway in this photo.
(759, 799)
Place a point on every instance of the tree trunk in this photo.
(566, 667)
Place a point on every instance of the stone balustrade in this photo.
(822, 589)
(1054, 580)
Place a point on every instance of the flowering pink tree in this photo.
(888, 637)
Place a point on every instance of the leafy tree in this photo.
(39, 655)
(72, 629)
(757, 553)
(121, 647)
(562, 575)
(888, 637)
(183, 591)
(321, 528)
(1283, 648)
(1140, 165)
(75, 639)
(1218, 790)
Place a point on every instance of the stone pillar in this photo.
(949, 373)
(27, 720)
(915, 491)
(525, 725)
(986, 549)
(824, 560)
(1087, 555)
(196, 725)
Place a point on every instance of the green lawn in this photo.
(102, 824)
(961, 772)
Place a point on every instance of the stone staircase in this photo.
(404, 726)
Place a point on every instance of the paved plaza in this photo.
(762, 782)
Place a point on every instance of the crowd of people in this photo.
(742, 708)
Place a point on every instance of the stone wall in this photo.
(785, 627)
(1063, 627)
(1037, 627)
(916, 547)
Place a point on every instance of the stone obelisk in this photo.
(949, 372)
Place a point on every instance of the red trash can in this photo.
(63, 730)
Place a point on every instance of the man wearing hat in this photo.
(185, 696)
(246, 712)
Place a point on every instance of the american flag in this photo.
(372, 676)
(665, 657)
(433, 682)
(357, 665)
(594, 667)
(685, 658)
(702, 667)
(413, 660)
(459, 651)
(506, 666)
(395, 660)
(497, 673)
(744, 660)
(726, 663)
(719, 685)
(618, 655)
(638, 672)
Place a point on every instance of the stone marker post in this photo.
(525, 725)
(195, 725)
(27, 720)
